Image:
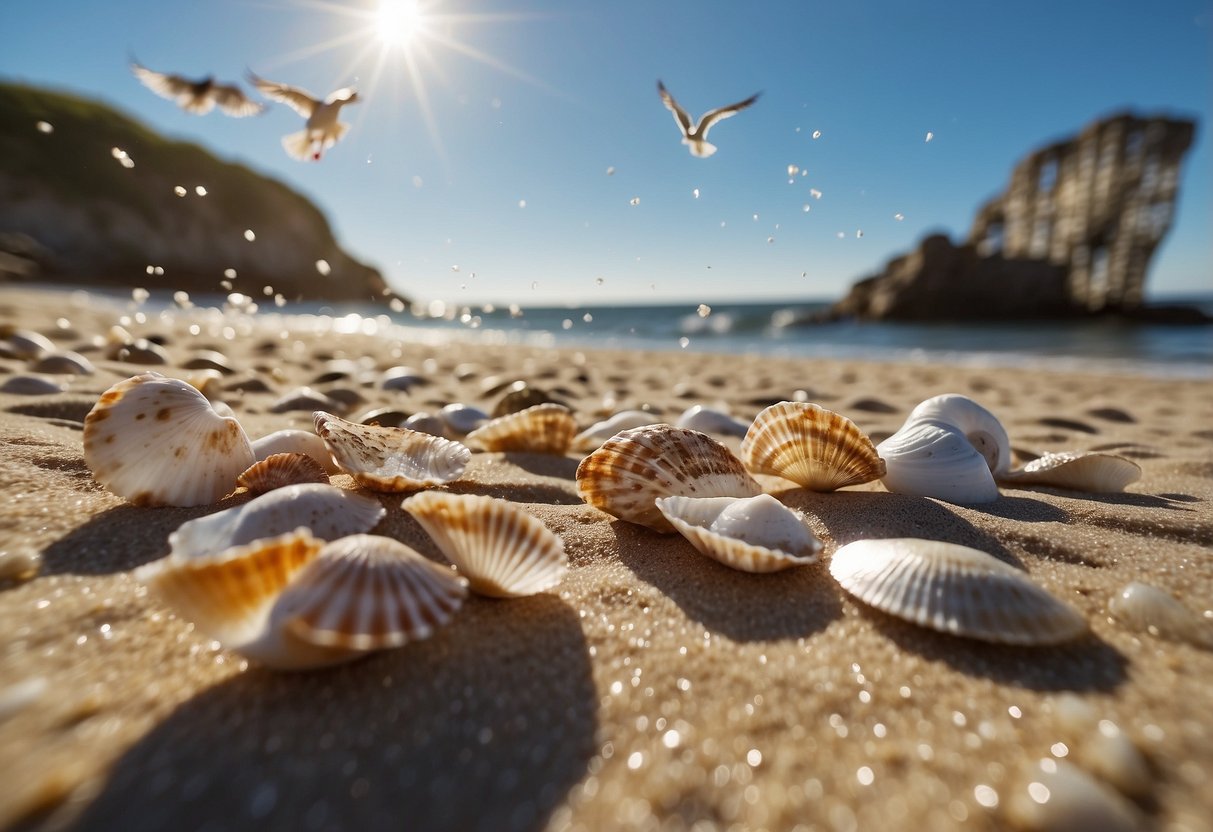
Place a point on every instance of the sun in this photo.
(398, 22)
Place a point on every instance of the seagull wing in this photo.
(234, 102)
(172, 87)
(343, 94)
(713, 116)
(680, 115)
(298, 100)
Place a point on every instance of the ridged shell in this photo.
(753, 534)
(954, 589)
(503, 551)
(295, 442)
(934, 459)
(811, 446)
(390, 459)
(324, 510)
(157, 441)
(542, 429)
(281, 470)
(706, 420)
(635, 467)
(1094, 473)
(982, 427)
(592, 437)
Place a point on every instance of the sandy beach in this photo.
(654, 688)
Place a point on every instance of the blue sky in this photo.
(476, 169)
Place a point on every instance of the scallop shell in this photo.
(295, 442)
(635, 467)
(390, 459)
(979, 425)
(811, 446)
(542, 429)
(503, 551)
(157, 441)
(934, 459)
(706, 420)
(325, 511)
(281, 470)
(753, 534)
(592, 437)
(1094, 473)
(954, 589)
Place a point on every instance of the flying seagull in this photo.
(197, 97)
(322, 130)
(696, 138)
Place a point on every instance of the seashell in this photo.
(251, 384)
(462, 419)
(954, 589)
(934, 459)
(27, 385)
(542, 429)
(19, 562)
(63, 362)
(706, 420)
(295, 442)
(753, 534)
(811, 446)
(223, 409)
(388, 417)
(157, 441)
(979, 425)
(636, 466)
(209, 360)
(281, 470)
(1109, 754)
(426, 423)
(1148, 609)
(520, 396)
(1061, 796)
(304, 398)
(502, 551)
(138, 351)
(592, 437)
(401, 378)
(25, 343)
(207, 382)
(346, 397)
(1094, 473)
(325, 511)
(390, 459)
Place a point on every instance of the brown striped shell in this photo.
(542, 429)
(811, 446)
(280, 470)
(390, 459)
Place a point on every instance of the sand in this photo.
(654, 688)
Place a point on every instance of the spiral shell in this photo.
(811, 446)
(752, 534)
(390, 459)
(542, 429)
(980, 426)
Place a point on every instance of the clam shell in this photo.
(281, 470)
(401, 378)
(157, 441)
(599, 432)
(982, 427)
(1095, 473)
(635, 467)
(304, 398)
(138, 351)
(1148, 609)
(295, 442)
(753, 534)
(426, 423)
(706, 420)
(520, 396)
(25, 343)
(462, 419)
(542, 429)
(29, 385)
(325, 511)
(502, 551)
(811, 446)
(63, 362)
(935, 459)
(390, 459)
(954, 589)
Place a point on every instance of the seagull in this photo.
(696, 138)
(197, 97)
(322, 130)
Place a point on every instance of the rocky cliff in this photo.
(90, 196)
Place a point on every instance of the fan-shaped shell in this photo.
(503, 551)
(811, 446)
(390, 459)
(979, 425)
(281, 470)
(295, 442)
(954, 589)
(325, 511)
(542, 429)
(599, 432)
(637, 466)
(158, 441)
(1095, 473)
(934, 459)
(706, 420)
(753, 534)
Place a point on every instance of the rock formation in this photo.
(1072, 235)
(90, 196)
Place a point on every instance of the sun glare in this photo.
(398, 22)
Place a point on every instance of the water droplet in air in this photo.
(566, 324)
(323, 267)
(249, 235)
(45, 127)
(611, 170)
(817, 134)
(159, 270)
(180, 191)
(588, 318)
(806, 208)
(598, 281)
(634, 200)
(418, 182)
(704, 310)
(140, 295)
(755, 218)
(858, 233)
(841, 235)
(201, 191)
(793, 170)
(930, 135)
(770, 239)
(816, 194)
(522, 203)
(695, 193)
(230, 274)
(534, 285)
(684, 342)
(454, 268)
(899, 217)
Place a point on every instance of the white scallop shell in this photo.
(982, 427)
(811, 446)
(462, 419)
(503, 551)
(391, 459)
(935, 459)
(753, 534)
(592, 437)
(635, 467)
(295, 442)
(540, 429)
(281, 470)
(1148, 609)
(325, 511)
(1094, 473)
(706, 420)
(157, 441)
(954, 589)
